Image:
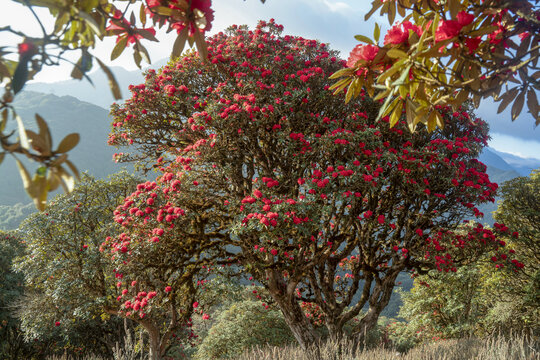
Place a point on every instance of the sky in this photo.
(333, 22)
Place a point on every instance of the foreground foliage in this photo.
(445, 53)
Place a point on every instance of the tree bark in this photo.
(284, 295)
(154, 344)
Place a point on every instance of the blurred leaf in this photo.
(532, 103)
(518, 105)
(89, 20)
(4, 71)
(506, 99)
(142, 14)
(22, 133)
(396, 113)
(4, 120)
(38, 143)
(40, 191)
(2, 156)
(432, 121)
(453, 7)
(113, 84)
(25, 176)
(201, 45)
(68, 143)
(119, 47)
(73, 169)
(20, 76)
(67, 180)
(147, 35)
(340, 73)
(53, 180)
(375, 5)
(44, 132)
(179, 43)
(61, 20)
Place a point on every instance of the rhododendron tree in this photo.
(446, 52)
(72, 281)
(258, 158)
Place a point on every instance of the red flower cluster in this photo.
(399, 33)
(362, 52)
(449, 29)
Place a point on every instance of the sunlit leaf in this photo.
(364, 39)
(68, 143)
(22, 133)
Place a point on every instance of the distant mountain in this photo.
(98, 94)
(523, 166)
(491, 158)
(64, 115)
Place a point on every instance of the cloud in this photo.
(334, 22)
(515, 146)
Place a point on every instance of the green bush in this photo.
(243, 325)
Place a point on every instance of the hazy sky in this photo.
(334, 22)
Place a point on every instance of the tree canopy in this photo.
(319, 200)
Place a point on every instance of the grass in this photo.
(494, 348)
(515, 348)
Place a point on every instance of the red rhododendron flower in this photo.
(168, 289)
(128, 31)
(27, 49)
(472, 43)
(399, 34)
(362, 52)
(447, 30)
(464, 18)
(198, 8)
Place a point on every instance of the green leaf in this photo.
(377, 32)
(119, 47)
(396, 53)
(340, 73)
(364, 39)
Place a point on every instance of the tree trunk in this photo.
(298, 323)
(154, 345)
